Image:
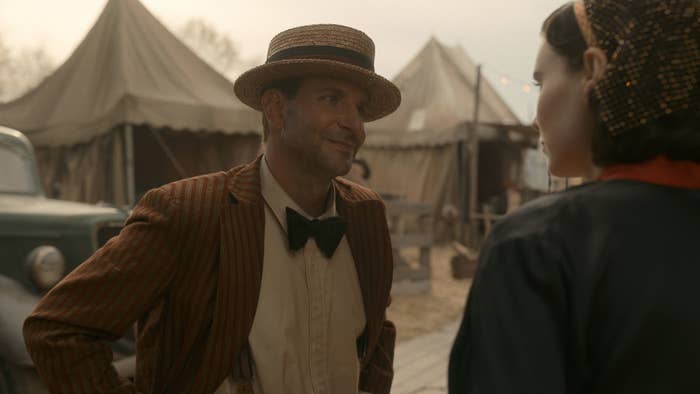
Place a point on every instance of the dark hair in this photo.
(365, 167)
(289, 89)
(676, 136)
(562, 33)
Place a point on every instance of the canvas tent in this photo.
(414, 153)
(131, 100)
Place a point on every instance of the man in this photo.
(229, 291)
(359, 172)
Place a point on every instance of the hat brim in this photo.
(383, 96)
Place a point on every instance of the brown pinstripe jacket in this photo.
(187, 267)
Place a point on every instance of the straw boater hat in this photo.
(321, 50)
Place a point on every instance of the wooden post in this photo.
(463, 201)
(474, 164)
(130, 176)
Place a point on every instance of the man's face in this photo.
(324, 125)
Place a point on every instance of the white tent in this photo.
(130, 89)
(414, 152)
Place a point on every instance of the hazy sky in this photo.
(501, 34)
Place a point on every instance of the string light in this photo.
(507, 79)
(525, 89)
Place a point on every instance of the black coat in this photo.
(594, 290)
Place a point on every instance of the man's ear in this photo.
(595, 62)
(273, 109)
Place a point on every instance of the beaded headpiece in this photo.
(653, 49)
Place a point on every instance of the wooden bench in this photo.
(410, 225)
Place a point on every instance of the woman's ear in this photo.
(595, 62)
(273, 109)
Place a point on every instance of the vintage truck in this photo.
(41, 240)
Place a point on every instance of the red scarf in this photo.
(659, 170)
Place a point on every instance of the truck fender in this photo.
(16, 303)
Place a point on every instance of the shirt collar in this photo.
(278, 200)
(660, 171)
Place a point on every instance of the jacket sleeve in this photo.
(377, 375)
(513, 334)
(67, 334)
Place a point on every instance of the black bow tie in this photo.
(326, 232)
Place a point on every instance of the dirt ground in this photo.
(422, 313)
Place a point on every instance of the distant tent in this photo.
(414, 152)
(131, 96)
(437, 88)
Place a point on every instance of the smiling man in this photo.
(273, 277)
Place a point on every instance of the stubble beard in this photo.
(316, 160)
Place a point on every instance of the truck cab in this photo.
(41, 241)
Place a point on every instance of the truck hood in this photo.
(40, 206)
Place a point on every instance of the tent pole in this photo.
(462, 191)
(169, 153)
(130, 178)
(474, 165)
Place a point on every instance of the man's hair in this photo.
(676, 136)
(289, 89)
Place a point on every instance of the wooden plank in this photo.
(408, 352)
(422, 362)
(408, 207)
(432, 378)
(404, 287)
(423, 373)
(425, 356)
(411, 240)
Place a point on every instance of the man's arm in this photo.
(377, 375)
(67, 335)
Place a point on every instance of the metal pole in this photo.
(474, 163)
(130, 177)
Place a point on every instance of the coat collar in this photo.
(243, 183)
(659, 171)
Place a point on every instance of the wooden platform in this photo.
(420, 365)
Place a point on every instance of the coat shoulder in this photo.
(202, 189)
(353, 192)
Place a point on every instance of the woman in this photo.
(566, 139)
(594, 290)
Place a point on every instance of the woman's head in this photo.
(564, 117)
(644, 103)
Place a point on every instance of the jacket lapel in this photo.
(242, 233)
(368, 237)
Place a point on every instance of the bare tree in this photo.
(22, 70)
(216, 48)
(5, 64)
